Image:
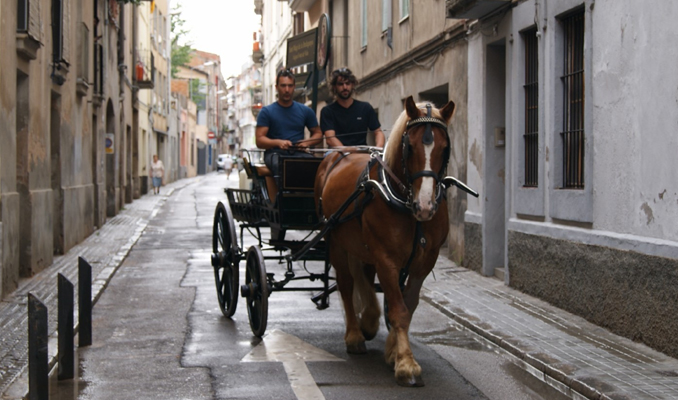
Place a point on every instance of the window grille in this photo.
(22, 16)
(531, 87)
(57, 30)
(363, 24)
(573, 102)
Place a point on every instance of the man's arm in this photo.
(264, 142)
(316, 137)
(379, 138)
(331, 137)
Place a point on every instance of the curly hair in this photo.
(344, 73)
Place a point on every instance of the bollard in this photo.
(38, 364)
(84, 302)
(65, 328)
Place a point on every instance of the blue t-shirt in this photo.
(287, 122)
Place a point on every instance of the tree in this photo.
(181, 53)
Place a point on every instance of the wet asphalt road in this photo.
(159, 334)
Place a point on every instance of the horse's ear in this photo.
(447, 111)
(411, 108)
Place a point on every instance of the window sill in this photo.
(403, 19)
(363, 49)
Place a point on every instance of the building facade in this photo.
(570, 143)
(70, 108)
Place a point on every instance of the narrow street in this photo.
(159, 334)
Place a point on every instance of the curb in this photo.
(539, 365)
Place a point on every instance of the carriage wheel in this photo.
(256, 290)
(225, 259)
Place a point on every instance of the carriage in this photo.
(288, 206)
(336, 198)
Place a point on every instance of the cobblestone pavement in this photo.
(582, 360)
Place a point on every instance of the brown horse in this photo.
(398, 226)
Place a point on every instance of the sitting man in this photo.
(280, 125)
(346, 121)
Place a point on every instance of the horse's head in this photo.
(425, 152)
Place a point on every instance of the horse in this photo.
(396, 235)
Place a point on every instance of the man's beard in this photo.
(345, 95)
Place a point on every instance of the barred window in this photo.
(573, 101)
(531, 88)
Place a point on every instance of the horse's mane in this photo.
(393, 142)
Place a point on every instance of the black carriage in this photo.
(288, 206)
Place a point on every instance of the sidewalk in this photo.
(104, 250)
(580, 359)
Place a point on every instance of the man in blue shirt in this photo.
(346, 121)
(281, 125)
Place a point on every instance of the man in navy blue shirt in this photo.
(280, 125)
(346, 121)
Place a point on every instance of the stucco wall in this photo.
(635, 118)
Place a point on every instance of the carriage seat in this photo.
(271, 186)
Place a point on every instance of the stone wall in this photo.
(631, 294)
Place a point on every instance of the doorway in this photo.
(494, 221)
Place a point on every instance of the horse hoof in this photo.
(357, 348)
(412, 381)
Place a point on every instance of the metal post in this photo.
(84, 302)
(38, 365)
(65, 328)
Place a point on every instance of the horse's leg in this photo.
(354, 339)
(398, 351)
(364, 297)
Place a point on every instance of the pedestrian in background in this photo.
(157, 173)
(228, 166)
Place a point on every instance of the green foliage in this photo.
(181, 53)
(198, 93)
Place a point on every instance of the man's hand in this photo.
(284, 144)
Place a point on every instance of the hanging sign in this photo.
(324, 34)
(301, 49)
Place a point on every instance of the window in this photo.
(363, 23)
(385, 15)
(404, 9)
(22, 16)
(531, 88)
(573, 101)
(57, 30)
(298, 26)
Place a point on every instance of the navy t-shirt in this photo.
(349, 124)
(287, 122)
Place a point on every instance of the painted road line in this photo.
(294, 353)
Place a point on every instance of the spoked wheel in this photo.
(256, 290)
(225, 259)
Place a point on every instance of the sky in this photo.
(223, 27)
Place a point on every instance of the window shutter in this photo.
(34, 20)
(65, 32)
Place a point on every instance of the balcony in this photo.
(473, 9)
(143, 78)
(257, 54)
(301, 5)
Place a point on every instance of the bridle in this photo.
(426, 139)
